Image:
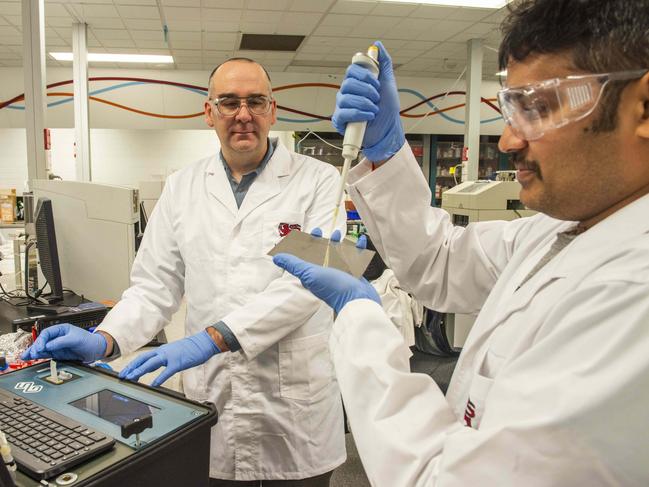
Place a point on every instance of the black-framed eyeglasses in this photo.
(229, 106)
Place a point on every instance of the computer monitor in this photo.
(96, 229)
(47, 249)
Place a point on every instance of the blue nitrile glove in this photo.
(334, 287)
(361, 243)
(363, 98)
(176, 356)
(67, 342)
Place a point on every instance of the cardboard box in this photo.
(7, 205)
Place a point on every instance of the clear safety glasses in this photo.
(535, 109)
(230, 105)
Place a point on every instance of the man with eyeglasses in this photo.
(256, 340)
(551, 388)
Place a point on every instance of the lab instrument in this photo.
(353, 139)
(104, 431)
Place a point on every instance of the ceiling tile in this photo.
(3, 21)
(373, 26)
(147, 34)
(186, 35)
(269, 4)
(138, 12)
(223, 4)
(188, 59)
(183, 24)
(220, 37)
(106, 23)
(294, 29)
(310, 5)
(56, 42)
(92, 11)
(215, 57)
(144, 24)
(11, 40)
(111, 34)
(498, 16)
(58, 21)
(117, 43)
(261, 16)
(341, 20)
(190, 67)
(309, 56)
(11, 8)
(64, 32)
(213, 26)
(8, 30)
(394, 10)
(163, 52)
(182, 13)
(277, 57)
(304, 18)
(311, 50)
(187, 52)
(150, 43)
(185, 44)
(181, 3)
(357, 7)
(258, 28)
(432, 12)
(55, 10)
(333, 30)
(470, 14)
(221, 15)
(135, 2)
(14, 20)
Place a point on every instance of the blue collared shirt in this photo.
(240, 189)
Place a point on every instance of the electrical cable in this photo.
(311, 132)
(435, 109)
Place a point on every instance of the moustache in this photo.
(521, 163)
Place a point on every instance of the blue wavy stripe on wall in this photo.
(281, 119)
(443, 115)
(104, 90)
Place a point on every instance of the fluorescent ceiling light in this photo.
(502, 73)
(100, 57)
(456, 3)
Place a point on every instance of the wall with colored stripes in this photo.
(166, 99)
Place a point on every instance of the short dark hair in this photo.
(600, 36)
(244, 59)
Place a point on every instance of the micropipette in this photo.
(353, 138)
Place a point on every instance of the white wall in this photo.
(13, 158)
(122, 157)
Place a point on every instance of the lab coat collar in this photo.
(579, 257)
(612, 232)
(267, 184)
(218, 184)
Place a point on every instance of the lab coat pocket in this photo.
(305, 367)
(278, 224)
(478, 392)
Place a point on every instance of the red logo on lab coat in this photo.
(469, 413)
(286, 228)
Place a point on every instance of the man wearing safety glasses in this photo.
(552, 386)
(256, 340)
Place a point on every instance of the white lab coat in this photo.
(280, 412)
(552, 386)
(402, 309)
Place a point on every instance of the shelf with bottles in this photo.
(325, 146)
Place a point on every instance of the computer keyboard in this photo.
(45, 443)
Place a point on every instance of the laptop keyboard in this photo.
(43, 442)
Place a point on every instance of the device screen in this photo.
(113, 407)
